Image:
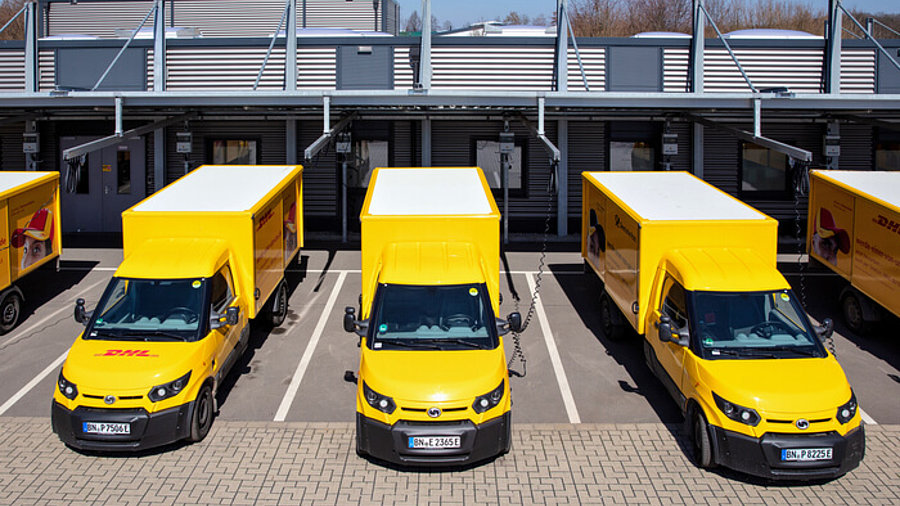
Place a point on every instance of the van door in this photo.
(226, 337)
(673, 304)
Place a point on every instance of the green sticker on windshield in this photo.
(382, 328)
(473, 291)
(785, 297)
(196, 284)
(708, 342)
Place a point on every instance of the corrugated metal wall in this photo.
(403, 72)
(498, 67)
(587, 152)
(46, 70)
(857, 147)
(217, 18)
(320, 176)
(12, 70)
(800, 70)
(675, 69)
(11, 155)
(594, 61)
(858, 71)
(223, 68)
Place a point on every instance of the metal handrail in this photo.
(287, 7)
(127, 43)
(868, 35)
(876, 21)
(577, 53)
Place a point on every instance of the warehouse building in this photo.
(330, 84)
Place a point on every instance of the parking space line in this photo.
(31, 384)
(866, 418)
(561, 379)
(44, 320)
(288, 399)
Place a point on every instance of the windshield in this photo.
(753, 325)
(149, 310)
(432, 317)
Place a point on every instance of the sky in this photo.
(460, 12)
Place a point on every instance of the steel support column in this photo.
(697, 153)
(425, 51)
(562, 46)
(698, 44)
(833, 51)
(562, 196)
(159, 47)
(426, 142)
(290, 62)
(31, 49)
(290, 141)
(159, 159)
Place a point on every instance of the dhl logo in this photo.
(891, 225)
(125, 353)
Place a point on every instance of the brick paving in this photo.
(315, 463)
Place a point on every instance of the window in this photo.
(763, 172)
(123, 172)
(674, 305)
(887, 155)
(234, 152)
(631, 155)
(487, 156)
(367, 156)
(221, 290)
(82, 174)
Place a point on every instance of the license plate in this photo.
(434, 442)
(106, 428)
(805, 454)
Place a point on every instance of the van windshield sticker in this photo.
(195, 284)
(382, 328)
(473, 292)
(378, 345)
(785, 297)
(709, 342)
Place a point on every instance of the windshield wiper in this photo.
(138, 334)
(794, 349)
(462, 342)
(407, 344)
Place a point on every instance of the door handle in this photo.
(106, 189)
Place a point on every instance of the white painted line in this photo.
(561, 379)
(44, 320)
(31, 384)
(288, 399)
(866, 418)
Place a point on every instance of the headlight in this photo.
(66, 387)
(737, 413)
(378, 401)
(846, 412)
(489, 400)
(169, 389)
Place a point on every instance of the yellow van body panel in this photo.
(441, 263)
(28, 200)
(722, 270)
(129, 369)
(184, 258)
(421, 379)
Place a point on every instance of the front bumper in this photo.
(389, 443)
(762, 456)
(148, 430)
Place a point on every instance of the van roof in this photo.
(671, 196)
(218, 188)
(429, 191)
(883, 185)
(10, 180)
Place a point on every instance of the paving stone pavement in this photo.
(315, 463)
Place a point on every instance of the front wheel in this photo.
(701, 441)
(10, 309)
(278, 307)
(202, 418)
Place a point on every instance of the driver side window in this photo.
(674, 305)
(222, 294)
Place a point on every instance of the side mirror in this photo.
(665, 328)
(215, 321)
(826, 329)
(684, 338)
(351, 324)
(81, 316)
(515, 321)
(232, 315)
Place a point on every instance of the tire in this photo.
(700, 440)
(609, 319)
(202, 417)
(10, 310)
(278, 306)
(852, 310)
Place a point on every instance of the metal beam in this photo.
(159, 159)
(562, 46)
(327, 131)
(425, 51)
(290, 141)
(159, 46)
(697, 155)
(698, 42)
(290, 64)
(833, 49)
(426, 142)
(31, 47)
(562, 195)
(111, 140)
(792, 151)
(870, 121)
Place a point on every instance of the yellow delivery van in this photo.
(693, 271)
(202, 257)
(433, 385)
(854, 230)
(29, 234)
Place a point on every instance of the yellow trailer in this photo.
(202, 257)
(31, 237)
(693, 270)
(854, 230)
(433, 385)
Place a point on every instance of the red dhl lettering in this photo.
(266, 217)
(891, 225)
(125, 353)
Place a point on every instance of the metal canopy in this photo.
(111, 140)
(792, 151)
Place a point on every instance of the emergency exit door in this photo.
(94, 193)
